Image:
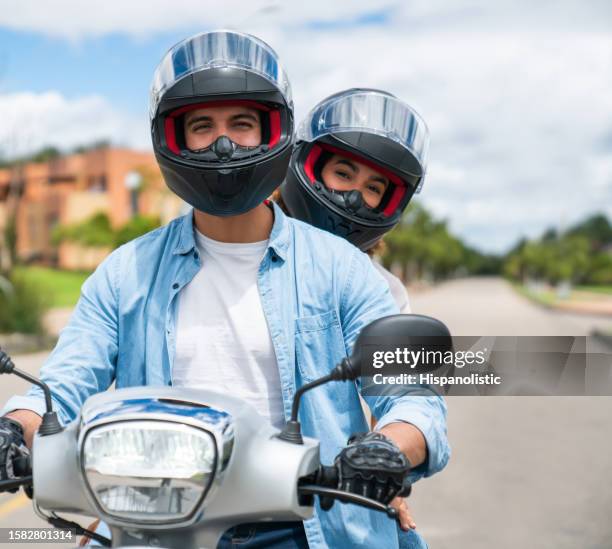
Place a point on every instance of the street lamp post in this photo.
(132, 182)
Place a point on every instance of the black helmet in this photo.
(221, 68)
(372, 127)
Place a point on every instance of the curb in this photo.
(605, 338)
(19, 344)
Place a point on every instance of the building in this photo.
(70, 189)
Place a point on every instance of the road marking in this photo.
(13, 504)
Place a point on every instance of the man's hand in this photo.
(405, 513)
(29, 421)
(14, 454)
(372, 466)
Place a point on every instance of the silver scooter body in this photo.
(256, 477)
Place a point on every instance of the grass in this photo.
(62, 287)
(549, 297)
(596, 289)
(546, 298)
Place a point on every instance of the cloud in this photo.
(74, 19)
(31, 121)
(517, 119)
(517, 100)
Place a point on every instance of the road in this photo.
(526, 472)
(16, 510)
(490, 307)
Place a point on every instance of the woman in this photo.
(359, 158)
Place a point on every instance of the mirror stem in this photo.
(293, 431)
(50, 424)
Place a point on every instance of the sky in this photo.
(517, 95)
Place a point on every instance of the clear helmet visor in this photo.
(368, 111)
(217, 49)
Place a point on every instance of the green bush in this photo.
(62, 288)
(601, 269)
(137, 226)
(22, 305)
(95, 231)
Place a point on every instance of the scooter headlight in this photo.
(148, 471)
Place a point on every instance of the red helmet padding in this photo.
(275, 119)
(275, 128)
(396, 198)
(311, 160)
(171, 135)
(400, 186)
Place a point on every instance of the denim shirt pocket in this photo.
(318, 343)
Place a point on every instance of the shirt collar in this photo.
(186, 239)
(279, 236)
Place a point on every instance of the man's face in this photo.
(241, 124)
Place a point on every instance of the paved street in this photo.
(490, 306)
(525, 472)
(16, 510)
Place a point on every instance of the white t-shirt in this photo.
(398, 290)
(223, 341)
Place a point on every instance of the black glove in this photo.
(14, 454)
(373, 466)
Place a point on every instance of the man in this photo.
(235, 296)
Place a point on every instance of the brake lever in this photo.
(349, 497)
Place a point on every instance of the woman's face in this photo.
(345, 174)
(203, 126)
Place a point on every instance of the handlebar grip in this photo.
(406, 489)
(7, 485)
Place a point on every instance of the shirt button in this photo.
(175, 286)
(274, 258)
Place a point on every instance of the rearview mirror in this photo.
(414, 331)
(384, 333)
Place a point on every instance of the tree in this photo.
(596, 228)
(423, 247)
(95, 231)
(135, 227)
(10, 239)
(600, 269)
(45, 154)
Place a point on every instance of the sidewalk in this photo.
(587, 303)
(56, 319)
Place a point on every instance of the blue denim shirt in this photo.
(317, 292)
